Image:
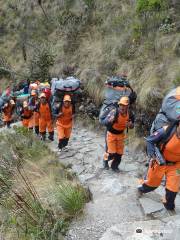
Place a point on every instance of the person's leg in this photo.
(61, 135)
(67, 134)
(105, 161)
(119, 152)
(31, 122)
(116, 162)
(42, 129)
(8, 124)
(172, 186)
(153, 178)
(36, 122)
(37, 130)
(105, 157)
(50, 130)
(111, 146)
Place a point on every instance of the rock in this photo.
(139, 236)
(150, 206)
(84, 178)
(85, 150)
(128, 167)
(78, 169)
(81, 108)
(112, 186)
(142, 230)
(64, 155)
(87, 139)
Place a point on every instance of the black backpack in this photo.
(167, 136)
(113, 108)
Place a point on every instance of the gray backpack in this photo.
(169, 112)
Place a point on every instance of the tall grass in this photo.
(31, 212)
(72, 198)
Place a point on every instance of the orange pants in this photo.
(63, 132)
(156, 173)
(31, 122)
(43, 124)
(34, 120)
(7, 117)
(115, 143)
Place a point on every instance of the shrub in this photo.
(89, 3)
(143, 6)
(42, 59)
(72, 198)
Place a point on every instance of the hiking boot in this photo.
(105, 165)
(139, 193)
(51, 136)
(116, 170)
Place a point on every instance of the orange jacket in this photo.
(26, 114)
(7, 113)
(121, 122)
(172, 149)
(45, 112)
(65, 120)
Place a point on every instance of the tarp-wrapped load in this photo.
(61, 87)
(23, 97)
(44, 85)
(33, 86)
(45, 88)
(53, 84)
(170, 110)
(70, 85)
(115, 88)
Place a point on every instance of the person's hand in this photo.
(152, 162)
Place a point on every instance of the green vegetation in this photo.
(99, 38)
(38, 196)
(151, 5)
(177, 80)
(41, 61)
(72, 198)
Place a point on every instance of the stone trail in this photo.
(116, 211)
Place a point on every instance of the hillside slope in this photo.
(98, 38)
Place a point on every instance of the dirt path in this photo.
(116, 211)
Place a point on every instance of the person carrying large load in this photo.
(32, 104)
(7, 112)
(115, 114)
(65, 96)
(64, 116)
(45, 118)
(163, 149)
(26, 115)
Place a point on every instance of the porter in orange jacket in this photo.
(33, 103)
(45, 118)
(171, 169)
(7, 111)
(115, 136)
(26, 115)
(64, 122)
